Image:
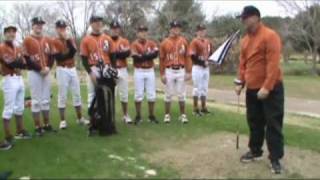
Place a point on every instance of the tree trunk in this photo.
(314, 63)
(305, 57)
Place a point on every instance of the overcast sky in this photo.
(210, 7)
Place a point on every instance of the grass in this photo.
(305, 87)
(72, 154)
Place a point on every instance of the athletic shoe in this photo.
(167, 118)
(63, 125)
(276, 167)
(49, 128)
(153, 119)
(137, 120)
(249, 157)
(39, 132)
(5, 145)
(197, 112)
(183, 118)
(23, 135)
(205, 111)
(127, 119)
(83, 121)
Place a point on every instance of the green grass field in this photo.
(70, 153)
(306, 87)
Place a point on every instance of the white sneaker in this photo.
(167, 118)
(63, 125)
(83, 121)
(127, 119)
(183, 118)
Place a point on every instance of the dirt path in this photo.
(214, 156)
(292, 105)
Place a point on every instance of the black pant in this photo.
(265, 118)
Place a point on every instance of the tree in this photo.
(305, 27)
(129, 13)
(188, 12)
(2, 22)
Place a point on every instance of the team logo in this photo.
(182, 50)
(105, 46)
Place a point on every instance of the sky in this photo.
(210, 7)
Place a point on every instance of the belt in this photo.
(66, 66)
(175, 67)
(12, 74)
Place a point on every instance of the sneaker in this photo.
(205, 111)
(276, 167)
(23, 135)
(249, 157)
(153, 119)
(127, 119)
(197, 112)
(183, 119)
(63, 125)
(5, 145)
(167, 118)
(39, 132)
(137, 120)
(49, 128)
(83, 121)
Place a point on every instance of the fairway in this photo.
(134, 152)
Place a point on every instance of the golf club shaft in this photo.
(238, 111)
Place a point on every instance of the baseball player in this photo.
(64, 50)
(95, 47)
(199, 50)
(144, 51)
(122, 52)
(38, 50)
(12, 61)
(175, 69)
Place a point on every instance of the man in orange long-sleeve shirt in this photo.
(259, 71)
(175, 69)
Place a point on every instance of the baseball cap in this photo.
(249, 11)
(175, 23)
(142, 28)
(61, 24)
(10, 27)
(114, 24)
(201, 27)
(95, 18)
(37, 20)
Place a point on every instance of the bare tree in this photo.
(305, 28)
(3, 21)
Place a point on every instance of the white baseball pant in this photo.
(122, 84)
(40, 89)
(91, 87)
(68, 79)
(13, 91)
(200, 78)
(175, 85)
(144, 81)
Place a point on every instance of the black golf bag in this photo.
(102, 108)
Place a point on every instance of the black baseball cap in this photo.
(114, 24)
(10, 27)
(201, 27)
(175, 23)
(61, 24)
(142, 28)
(249, 11)
(95, 18)
(37, 20)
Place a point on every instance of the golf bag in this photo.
(102, 108)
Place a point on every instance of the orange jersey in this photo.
(142, 47)
(60, 46)
(97, 47)
(260, 59)
(173, 52)
(8, 54)
(200, 47)
(121, 44)
(39, 49)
